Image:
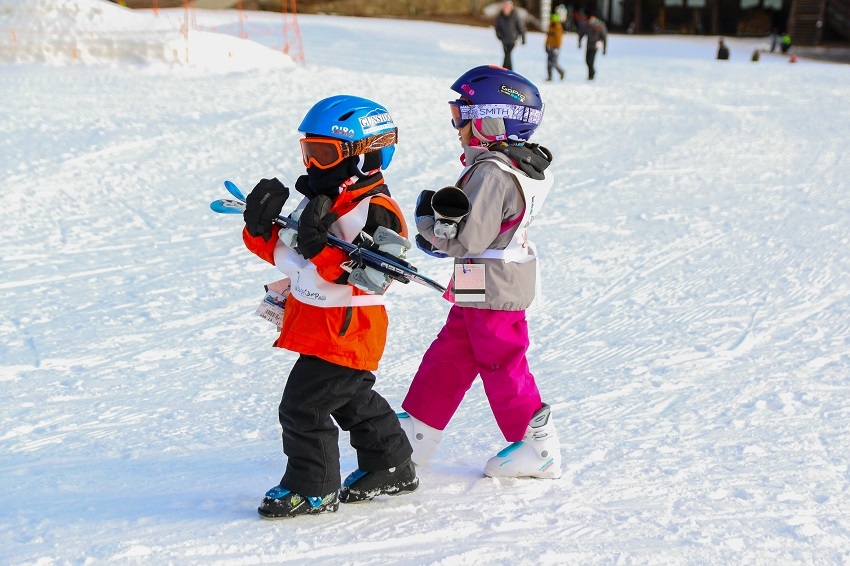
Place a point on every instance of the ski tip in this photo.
(225, 207)
(234, 190)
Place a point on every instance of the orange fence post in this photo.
(241, 15)
(291, 47)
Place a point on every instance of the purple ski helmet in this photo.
(502, 104)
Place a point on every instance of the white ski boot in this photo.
(422, 437)
(371, 280)
(537, 455)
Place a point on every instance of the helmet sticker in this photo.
(512, 92)
(376, 123)
(338, 130)
(491, 92)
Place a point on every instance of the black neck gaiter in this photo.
(327, 181)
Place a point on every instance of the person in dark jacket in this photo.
(596, 31)
(509, 29)
(581, 26)
(722, 50)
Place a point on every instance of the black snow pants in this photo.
(589, 58)
(507, 63)
(317, 390)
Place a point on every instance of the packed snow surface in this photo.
(692, 336)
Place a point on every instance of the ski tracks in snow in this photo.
(691, 337)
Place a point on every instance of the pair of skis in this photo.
(394, 267)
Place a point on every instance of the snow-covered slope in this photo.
(692, 337)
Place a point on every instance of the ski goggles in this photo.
(324, 153)
(457, 114)
(463, 112)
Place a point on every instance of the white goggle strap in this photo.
(504, 111)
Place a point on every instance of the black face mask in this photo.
(327, 181)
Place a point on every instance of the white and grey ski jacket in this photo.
(503, 201)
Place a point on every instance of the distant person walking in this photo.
(774, 39)
(596, 31)
(509, 29)
(785, 43)
(581, 26)
(722, 50)
(565, 17)
(553, 46)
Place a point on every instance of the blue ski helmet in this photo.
(352, 118)
(502, 104)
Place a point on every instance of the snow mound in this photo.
(66, 15)
(62, 32)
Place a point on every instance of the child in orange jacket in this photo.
(334, 316)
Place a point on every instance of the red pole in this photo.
(242, 33)
(283, 9)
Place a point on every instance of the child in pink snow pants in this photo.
(482, 222)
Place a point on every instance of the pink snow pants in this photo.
(475, 342)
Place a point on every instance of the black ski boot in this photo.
(363, 486)
(280, 503)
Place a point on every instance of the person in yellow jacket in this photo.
(334, 315)
(553, 46)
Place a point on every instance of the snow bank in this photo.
(62, 32)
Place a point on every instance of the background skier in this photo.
(596, 31)
(722, 50)
(509, 29)
(554, 36)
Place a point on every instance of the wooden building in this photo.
(809, 22)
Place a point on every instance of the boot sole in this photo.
(368, 496)
(271, 517)
(532, 476)
(312, 511)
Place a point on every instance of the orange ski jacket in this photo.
(352, 336)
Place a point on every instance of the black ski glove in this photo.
(451, 205)
(313, 226)
(263, 205)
